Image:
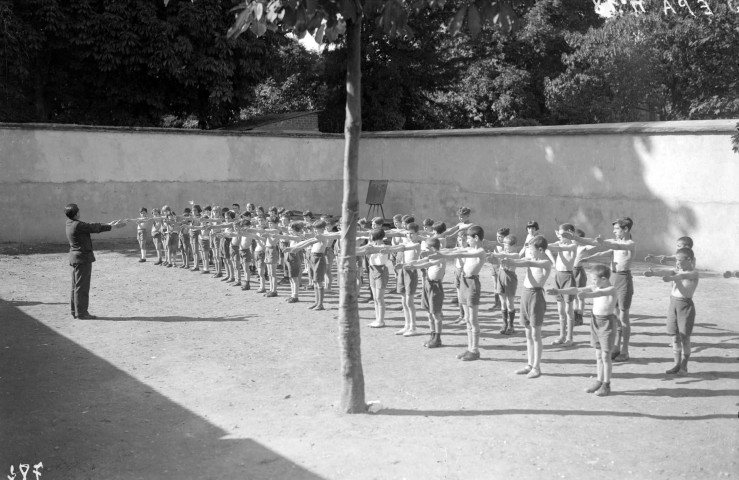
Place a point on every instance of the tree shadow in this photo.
(84, 418)
(558, 413)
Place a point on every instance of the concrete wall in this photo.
(671, 178)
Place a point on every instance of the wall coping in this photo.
(698, 127)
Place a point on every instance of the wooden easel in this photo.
(375, 198)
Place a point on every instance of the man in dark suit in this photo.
(81, 257)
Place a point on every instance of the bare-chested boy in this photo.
(433, 290)
(474, 258)
(533, 304)
(622, 250)
(602, 323)
(407, 280)
(681, 312)
(564, 279)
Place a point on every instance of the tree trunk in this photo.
(352, 376)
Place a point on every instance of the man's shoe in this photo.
(436, 342)
(534, 373)
(262, 290)
(195, 269)
(158, 262)
(460, 355)
(86, 316)
(559, 341)
(525, 370)
(217, 275)
(271, 294)
(205, 272)
(142, 260)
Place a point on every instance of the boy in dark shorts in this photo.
(474, 258)
(621, 249)
(602, 323)
(681, 312)
(507, 283)
(432, 297)
(141, 227)
(533, 303)
(564, 279)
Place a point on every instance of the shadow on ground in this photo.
(84, 418)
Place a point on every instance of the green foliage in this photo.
(297, 84)
(656, 66)
(126, 63)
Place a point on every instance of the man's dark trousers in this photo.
(81, 275)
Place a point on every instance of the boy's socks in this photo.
(504, 328)
(684, 364)
(511, 318)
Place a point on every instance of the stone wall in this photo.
(671, 178)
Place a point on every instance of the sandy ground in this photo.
(184, 377)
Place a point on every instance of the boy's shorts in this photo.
(157, 239)
(458, 278)
(496, 281)
(581, 278)
(292, 265)
(318, 266)
(259, 256)
(141, 237)
(407, 281)
(224, 248)
(680, 316)
(432, 297)
(204, 242)
(624, 284)
(533, 307)
(603, 332)
(564, 280)
(172, 240)
(507, 282)
(469, 290)
(378, 276)
(271, 255)
(245, 254)
(235, 252)
(185, 242)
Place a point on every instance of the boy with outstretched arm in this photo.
(602, 323)
(141, 227)
(622, 250)
(682, 242)
(507, 283)
(407, 279)
(581, 278)
(533, 304)
(432, 297)
(460, 229)
(681, 312)
(317, 259)
(564, 278)
(474, 258)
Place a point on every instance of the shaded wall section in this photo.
(671, 178)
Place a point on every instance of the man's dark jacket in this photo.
(80, 243)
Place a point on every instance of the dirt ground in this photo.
(184, 377)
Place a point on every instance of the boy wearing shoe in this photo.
(407, 279)
(622, 251)
(432, 297)
(602, 323)
(681, 312)
(507, 283)
(474, 258)
(533, 304)
(564, 278)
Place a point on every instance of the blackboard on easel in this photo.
(376, 192)
(376, 197)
